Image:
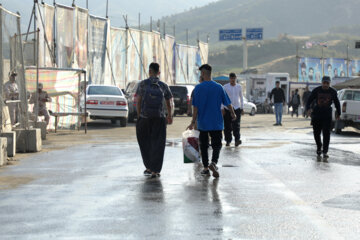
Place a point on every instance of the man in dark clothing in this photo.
(305, 98)
(295, 102)
(151, 123)
(321, 114)
(279, 100)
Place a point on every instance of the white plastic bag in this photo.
(190, 142)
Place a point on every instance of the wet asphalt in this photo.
(271, 187)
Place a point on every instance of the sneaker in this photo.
(228, 144)
(155, 175)
(276, 124)
(280, 124)
(147, 172)
(214, 170)
(318, 153)
(237, 143)
(325, 155)
(205, 172)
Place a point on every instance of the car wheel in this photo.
(252, 113)
(123, 122)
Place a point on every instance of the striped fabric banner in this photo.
(63, 88)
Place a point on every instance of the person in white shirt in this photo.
(231, 127)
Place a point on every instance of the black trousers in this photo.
(324, 126)
(295, 110)
(216, 137)
(151, 136)
(231, 126)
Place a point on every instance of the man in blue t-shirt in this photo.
(207, 100)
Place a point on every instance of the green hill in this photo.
(294, 17)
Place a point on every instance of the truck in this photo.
(350, 110)
(259, 86)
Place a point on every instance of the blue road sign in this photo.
(230, 35)
(254, 33)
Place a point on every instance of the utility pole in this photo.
(245, 55)
(73, 3)
(347, 59)
(151, 23)
(87, 4)
(139, 21)
(164, 29)
(297, 60)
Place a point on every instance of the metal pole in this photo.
(297, 60)
(79, 101)
(35, 18)
(139, 21)
(322, 59)
(85, 108)
(151, 23)
(37, 78)
(126, 50)
(73, 3)
(347, 60)
(164, 31)
(107, 8)
(187, 54)
(24, 121)
(174, 30)
(1, 72)
(245, 55)
(87, 4)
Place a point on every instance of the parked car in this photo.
(130, 93)
(106, 102)
(249, 107)
(182, 95)
(350, 110)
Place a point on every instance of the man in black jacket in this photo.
(279, 100)
(321, 114)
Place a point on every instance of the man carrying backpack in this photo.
(152, 120)
(295, 102)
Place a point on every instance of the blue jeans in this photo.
(278, 112)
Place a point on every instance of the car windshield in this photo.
(352, 95)
(178, 89)
(104, 90)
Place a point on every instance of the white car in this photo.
(350, 110)
(106, 102)
(249, 107)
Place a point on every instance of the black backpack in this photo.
(153, 100)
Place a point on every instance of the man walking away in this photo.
(207, 100)
(295, 102)
(321, 114)
(305, 99)
(234, 92)
(151, 123)
(279, 101)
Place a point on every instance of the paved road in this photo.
(272, 187)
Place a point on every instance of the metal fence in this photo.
(11, 60)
